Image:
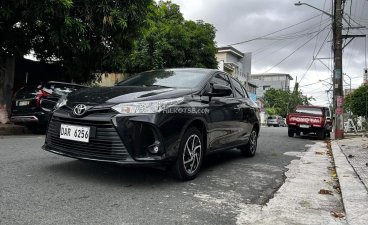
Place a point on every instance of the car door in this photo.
(223, 114)
(251, 113)
(245, 111)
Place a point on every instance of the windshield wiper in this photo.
(156, 85)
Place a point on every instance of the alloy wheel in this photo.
(192, 154)
(253, 142)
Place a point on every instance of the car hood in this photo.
(121, 94)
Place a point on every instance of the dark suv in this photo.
(170, 117)
(32, 104)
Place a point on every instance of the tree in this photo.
(359, 101)
(84, 36)
(282, 102)
(170, 41)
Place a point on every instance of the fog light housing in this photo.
(154, 148)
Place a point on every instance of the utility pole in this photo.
(337, 75)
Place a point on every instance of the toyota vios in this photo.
(170, 118)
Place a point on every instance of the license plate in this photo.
(74, 133)
(303, 126)
(22, 103)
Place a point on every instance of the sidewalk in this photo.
(12, 129)
(310, 194)
(351, 160)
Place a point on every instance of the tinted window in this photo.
(172, 78)
(309, 110)
(238, 89)
(221, 79)
(245, 91)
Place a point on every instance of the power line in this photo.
(257, 38)
(319, 50)
(314, 82)
(301, 46)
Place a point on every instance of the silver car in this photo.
(276, 121)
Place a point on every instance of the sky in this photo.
(307, 35)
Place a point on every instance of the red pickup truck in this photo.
(310, 119)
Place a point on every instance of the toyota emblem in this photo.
(79, 109)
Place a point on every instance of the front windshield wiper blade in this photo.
(156, 85)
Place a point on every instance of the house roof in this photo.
(273, 74)
(233, 50)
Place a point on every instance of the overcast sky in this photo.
(242, 20)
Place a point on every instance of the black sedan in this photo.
(170, 118)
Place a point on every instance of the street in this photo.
(38, 187)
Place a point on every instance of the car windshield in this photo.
(172, 78)
(316, 111)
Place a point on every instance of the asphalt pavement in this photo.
(38, 187)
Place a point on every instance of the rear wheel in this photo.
(290, 133)
(190, 155)
(321, 134)
(250, 148)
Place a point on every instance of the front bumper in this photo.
(24, 119)
(118, 139)
(33, 118)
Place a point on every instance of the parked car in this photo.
(310, 119)
(32, 104)
(276, 121)
(170, 118)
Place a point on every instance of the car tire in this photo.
(321, 134)
(190, 155)
(250, 148)
(290, 133)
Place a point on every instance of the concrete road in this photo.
(38, 187)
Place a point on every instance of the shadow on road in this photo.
(133, 175)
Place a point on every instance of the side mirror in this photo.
(218, 90)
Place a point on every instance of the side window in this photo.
(239, 93)
(221, 79)
(246, 93)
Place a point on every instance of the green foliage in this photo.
(170, 41)
(85, 36)
(347, 102)
(359, 101)
(272, 111)
(281, 102)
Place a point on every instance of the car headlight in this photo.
(62, 101)
(146, 106)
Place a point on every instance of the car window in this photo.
(245, 91)
(239, 93)
(309, 110)
(221, 79)
(167, 78)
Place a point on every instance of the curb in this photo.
(11, 129)
(353, 192)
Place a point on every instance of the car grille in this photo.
(104, 145)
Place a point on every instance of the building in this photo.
(238, 65)
(234, 62)
(266, 81)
